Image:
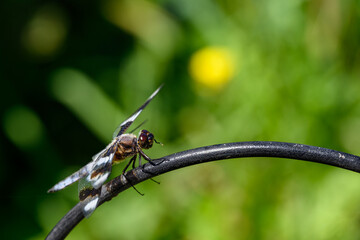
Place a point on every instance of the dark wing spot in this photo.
(124, 128)
(102, 170)
(88, 192)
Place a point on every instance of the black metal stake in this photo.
(207, 154)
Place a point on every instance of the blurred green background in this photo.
(278, 70)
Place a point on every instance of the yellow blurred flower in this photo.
(212, 66)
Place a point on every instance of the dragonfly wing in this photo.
(126, 124)
(101, 170)
(72, 178)
(89, 197)
(84, 171)
(90, 186)
(96, 156)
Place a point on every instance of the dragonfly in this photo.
(124, 145)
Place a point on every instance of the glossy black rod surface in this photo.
(207, 154)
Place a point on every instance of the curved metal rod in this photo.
(207, 154)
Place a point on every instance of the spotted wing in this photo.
(88, 196)
(101, 170)
(84, 171)
(90, 186)
(126, 124)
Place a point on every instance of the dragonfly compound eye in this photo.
(150, 139)
(146, 139)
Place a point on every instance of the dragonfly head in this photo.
(145, 139)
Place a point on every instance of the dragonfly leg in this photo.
(133, 185)
(132, 160)
(127, 165)
(147, 158)
(141, 153)
(139, 159)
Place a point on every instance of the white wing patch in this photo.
(73, 177)
(89, 197)
(100, 171)
(99, 180)
(90, 206)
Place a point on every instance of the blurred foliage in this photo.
(279, 70)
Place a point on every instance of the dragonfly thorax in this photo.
(126, 147)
